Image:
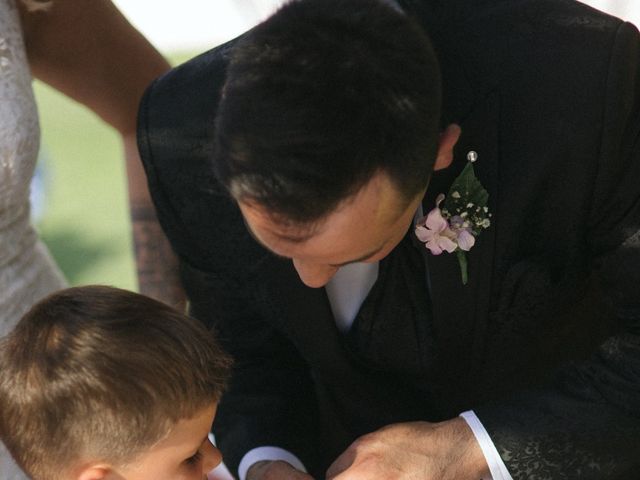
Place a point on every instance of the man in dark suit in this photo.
(313, 137)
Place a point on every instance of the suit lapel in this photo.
(460, 311)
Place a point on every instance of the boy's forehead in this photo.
(168, 454)
(190, 432)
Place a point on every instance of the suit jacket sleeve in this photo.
(268, 401)
(586, 424)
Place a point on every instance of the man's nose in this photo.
(314, 275)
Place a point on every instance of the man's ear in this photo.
(448, 140)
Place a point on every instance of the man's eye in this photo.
(194, 459)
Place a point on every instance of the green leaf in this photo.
(469, 188)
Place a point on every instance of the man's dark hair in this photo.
(319, 98)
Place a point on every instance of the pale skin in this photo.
(90, 52)
(365, 228)
(185, 453)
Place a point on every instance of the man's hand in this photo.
(416, 451)
(275, 470)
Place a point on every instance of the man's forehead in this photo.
(375, 206)
(282, 229)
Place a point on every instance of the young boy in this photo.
(101, 383)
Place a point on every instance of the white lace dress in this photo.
(27, 271)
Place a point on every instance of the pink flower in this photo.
(435, 232)
(439, 235)
(463, 217)
(465, 239)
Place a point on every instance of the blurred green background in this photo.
(85, 218)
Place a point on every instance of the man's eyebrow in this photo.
(294, 238)
(301, 235)
(259, 242)
(301, 239)
(360, 259)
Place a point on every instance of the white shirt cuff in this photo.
(268, 453)
(496, 466)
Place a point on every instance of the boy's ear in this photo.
(95, 472)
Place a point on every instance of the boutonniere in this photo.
(463, 216)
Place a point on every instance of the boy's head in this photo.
(97, 382)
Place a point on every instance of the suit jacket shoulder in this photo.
(175, 138)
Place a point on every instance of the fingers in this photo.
(339, 466)
(342, 463)
(275, 470)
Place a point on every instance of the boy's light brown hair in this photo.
(98, 373)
